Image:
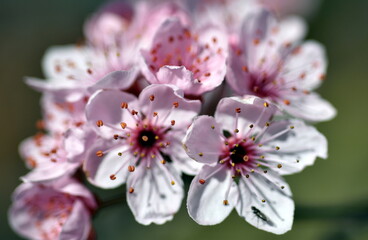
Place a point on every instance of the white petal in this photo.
(155, 199)
(276, 213)
(206, 201)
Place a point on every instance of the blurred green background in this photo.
(338, 184)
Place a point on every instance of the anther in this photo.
(267, 124)
(172, 182)
(157, 137)
(213, 127)
(142, 155)
(99, 153)
(226, 202)
(131, 190)
(247, 175)
(200, 154)
(131, 168)
(99, 123)
(236, 130)
(291, 127)
(123, 125)
(89, 71)
(251, 126)
(155, 114)
(266, 104)
(120, 154)
(202, 181)
(172, 122)
(238, 110)
(112, 177)
(265, 171)
(152, 98)
(176, 104)
(252, 170)
(116, 137)
(245, 68)
(246, 158)
(263, 200)
(279, 165)
(277, 148)
(207, 74)
(153, 156)
(163, 161)
(145, 138)
(124, 105)
(133, 112)
(286, 102)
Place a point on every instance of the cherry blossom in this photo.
(268, 61)
(141, 146)
(58, 211)
(245, 153)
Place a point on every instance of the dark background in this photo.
(331, 188)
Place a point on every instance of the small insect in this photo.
(262, 216)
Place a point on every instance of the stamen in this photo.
(99, 123)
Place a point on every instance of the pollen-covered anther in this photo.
(99, 123)
(112, 177)
(155, 114)
(286, 102)
(207, 74)
(236, 130)
(277, 148)
(252, 170)
(152, 98)
(163, 161)
(266, 104)
(99, 153)
(238, 110)
(267, 124)
(124, 105)
(145, 138)
(263, 200)
(131, 190)
(202, 181)
(123, 125)
(142, 155)
(120, 154)
(200, 154)
(172, 122)
(157, 137)
(213, 127)
(176, 104)
(172, 182)
(133, 112)
(279, 165)
(131, 168)
(225, 202)
(116, 137)
(292, 127)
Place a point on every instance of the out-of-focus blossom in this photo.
(58, 211)
(268, 61)
(192, 59)
(141, 145)
(245, 153)
(287, 7)
(74, 72)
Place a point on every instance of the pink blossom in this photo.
(269, 61)
(245, 153)
(189, 58)
(141, 145)
(76, 72)
(59, 211)
(51, 157)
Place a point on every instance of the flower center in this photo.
(237, 154)
(146, 138)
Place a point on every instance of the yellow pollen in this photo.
(252, 171)
(153, 156)
(143, 155)
(263, 200)
(225, 202)
(123, 125)
(200, 154)
(266, 104)
(213, 127)
(156, 137)
(292, 127)
(163, 161)
(172, 182)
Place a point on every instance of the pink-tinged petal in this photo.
(206, 201)
(59, 60)
(100, 169)
(203, 140)
(169, 104)
(72, 187)
(291, 29)
(180, 158)
(116, 80)
(78, 225)
(253, 111)
(155, 199)
(178, 76)
(60, 86)
(105, 105)
(75, 143)
(311, 107)
(299, 147)
(266, 204)
(306, 66)
(50, 172)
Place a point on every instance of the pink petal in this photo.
(206, 201)
(105, 105)
(252, 111)
(202, 141)
(78, 225)
(165, 96)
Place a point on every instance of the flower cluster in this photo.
(127, 107)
